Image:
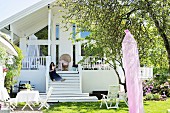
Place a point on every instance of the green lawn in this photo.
(93, 107)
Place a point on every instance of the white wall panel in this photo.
(98, 80)
(37, 78)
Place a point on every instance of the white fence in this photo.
(95, 63)
(33, 62)
(146, 72)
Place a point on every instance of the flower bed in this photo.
(156, 89)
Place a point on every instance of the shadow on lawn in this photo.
(83, 107)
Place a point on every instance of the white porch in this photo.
(35, 68)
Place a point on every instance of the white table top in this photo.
(27, 96)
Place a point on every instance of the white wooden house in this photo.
(21, 20)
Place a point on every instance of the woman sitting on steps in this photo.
(53, 75)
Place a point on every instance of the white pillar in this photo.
(23, 45)
(78, 52)
(49, 30)
(53, 41)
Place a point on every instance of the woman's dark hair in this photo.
(51, 64)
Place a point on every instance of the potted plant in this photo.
(28, 86)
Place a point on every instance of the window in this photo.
(74, 54)
(43, 50)
(57, 54)
(42, 34)
(57, 32)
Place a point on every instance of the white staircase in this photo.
(69, 90)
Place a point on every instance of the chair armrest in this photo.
(104, 96)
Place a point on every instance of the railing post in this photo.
(80, 76)
(48, 60)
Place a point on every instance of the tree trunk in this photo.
(165, 39)
(120, 82)
(162, 33)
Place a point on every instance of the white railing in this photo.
(48, 60)
(146, 72)
(33, 62)
(95, 63)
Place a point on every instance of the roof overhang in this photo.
(34, 7)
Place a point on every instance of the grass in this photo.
(93, 107)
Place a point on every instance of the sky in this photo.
(11, 7)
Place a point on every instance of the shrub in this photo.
(14, 69)
(149, 96)
(156, 96)
(3, 56)
(159, 87)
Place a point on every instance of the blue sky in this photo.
(84, 34)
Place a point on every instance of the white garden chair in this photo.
(123, 96)
(111, 97)
(43, 102)
(11, 102)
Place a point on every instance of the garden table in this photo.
(28, 97)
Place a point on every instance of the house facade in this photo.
(80, 81)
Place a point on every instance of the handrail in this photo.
(80, 76)
(48, 60)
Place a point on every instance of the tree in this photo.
(107, 19)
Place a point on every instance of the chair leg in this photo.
(110, 104)
(101, 103)
(47, 105)
(106, 104)
(125, 101)
(11, 109)
(41, 107)
(117, 103)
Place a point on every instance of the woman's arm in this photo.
(52, 69)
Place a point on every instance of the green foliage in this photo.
(28, 86)
(3, 55)
(149, 96)
(148, 21)
(160, 85)
(43, 34)
(156, 96)
(14, 69)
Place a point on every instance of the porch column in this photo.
(12, 33)
(23, 45)
(78, 50)
(49, 30)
